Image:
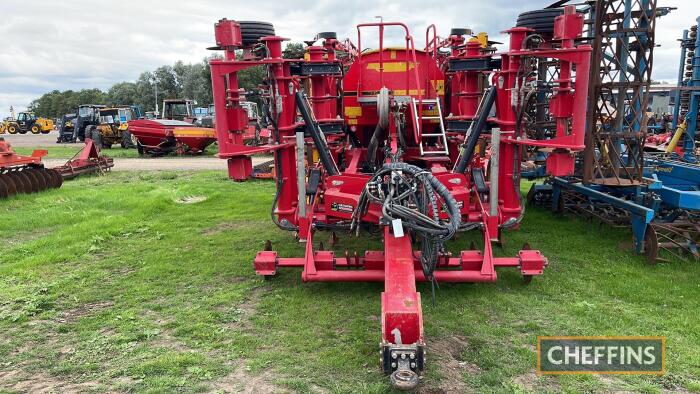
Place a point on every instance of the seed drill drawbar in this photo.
(401, 139)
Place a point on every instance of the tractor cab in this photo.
(26, 120)
(126, 114)
(179, 109)
(112, 127)
(74, 130)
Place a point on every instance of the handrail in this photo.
(433, 42)
(410, 47)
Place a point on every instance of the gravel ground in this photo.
(34, 140)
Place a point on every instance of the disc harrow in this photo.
(28, 180)
(24, 174)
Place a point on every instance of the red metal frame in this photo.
(416, 75)
(88, 160)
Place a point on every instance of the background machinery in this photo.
(73, 125)
(179, 109)
(113, 127)
(27, 122)
(617, 182)
(402, 142)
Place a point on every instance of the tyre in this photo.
(139, 148)
(12, 128)
(36, 129)
(94, 133)
(541, 21)
(253, 31)
(126, 140)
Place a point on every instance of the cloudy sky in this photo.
(76, 44)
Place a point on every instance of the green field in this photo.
(144, 283)
(67, 151)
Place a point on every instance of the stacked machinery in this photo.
(687, 98)
(397, 138)
(616, 182)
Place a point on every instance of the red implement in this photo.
(87, 161)
(24, 174)
(162, 136)
(372, 139)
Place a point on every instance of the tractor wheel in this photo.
(12, 128)
(541, 21)
(253, 31)
(35, 128)
(139, 148)
(94, 134)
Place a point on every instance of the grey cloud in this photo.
(76, 44)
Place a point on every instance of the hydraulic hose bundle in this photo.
(411, 195)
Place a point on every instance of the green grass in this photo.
(112, 282)
(59, 151)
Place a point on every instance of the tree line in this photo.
(180, 80)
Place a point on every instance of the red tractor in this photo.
(404, 141)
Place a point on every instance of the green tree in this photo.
(294, 50)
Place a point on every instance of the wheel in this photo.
(35, 129)
(93, 133)
(541, 21)
(404, 380)
(327, 35)
(253, 31)
(139, 148)
(12, 128)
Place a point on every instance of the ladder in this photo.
(441, 130)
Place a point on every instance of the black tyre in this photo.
(541, 21)
(94, 134)
(139, 148)
(36, 129)
(253, 31)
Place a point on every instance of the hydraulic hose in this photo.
(410, 194)
(316, 133)
(475, 130)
